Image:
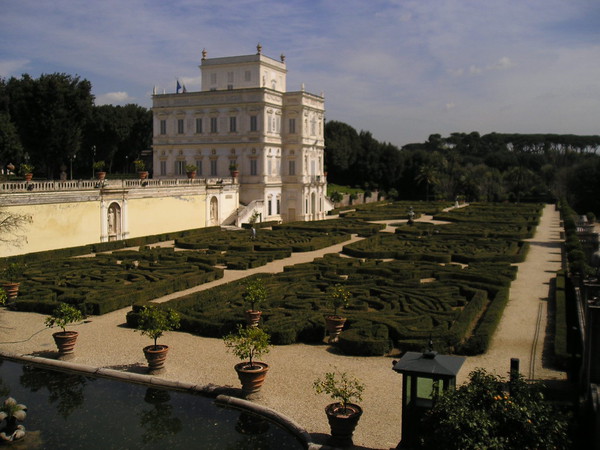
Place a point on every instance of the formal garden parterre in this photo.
(444, 283)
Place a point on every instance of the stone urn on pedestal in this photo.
(153, 321)
(65, 340)
(338, 297)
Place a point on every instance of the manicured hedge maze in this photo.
(440, 248)
(475, 229)
(490, 213)
(394, 210)
(107, 282)
(396, 303)
(350, 226)
(237, 251)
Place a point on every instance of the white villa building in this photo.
(244, 116)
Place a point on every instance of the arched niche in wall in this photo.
(114, 221)
(214, 211)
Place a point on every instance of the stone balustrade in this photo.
(79, 185)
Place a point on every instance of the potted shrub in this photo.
(233, 169)
(26, 171)
(343, 416)
(153, 322)
(10, 275)
(10, 413)
(99, 168)
(247, 344)
(338, 297)
(62, 316)
(140, 166)
(190, 170)
(255, 295)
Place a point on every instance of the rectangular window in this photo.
(253, 167)
(247, 75)
(278, 206)
(213, 167)
(269, 208)
(233, 124)
(198, 125)
(269, 167)
(253, 123)
(292, 126)
(213, 125)
(180, 129)
(230, 77)
(179, 167)
(163, 168)
(292, 167)
(198, 167)
(213, 78)
(163, 127)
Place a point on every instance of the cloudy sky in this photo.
(402, 69)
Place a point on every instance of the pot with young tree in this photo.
(338, 297)
(140, 167)
(255, 295)
(10, 275)
(343, 415)
(63, 315)
(233, 169)
(99, 169)
(191, 171)
(153, 322)
(247, 344)
(26, 171)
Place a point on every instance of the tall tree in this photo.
(50, 113)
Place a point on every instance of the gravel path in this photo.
(105, 341)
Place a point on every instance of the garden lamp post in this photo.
(93, 159)
(423, 376)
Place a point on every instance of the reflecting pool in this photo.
(73, 411)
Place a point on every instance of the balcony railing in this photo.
(79, 185)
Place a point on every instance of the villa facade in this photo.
(245, 119)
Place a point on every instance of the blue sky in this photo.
(402, 69)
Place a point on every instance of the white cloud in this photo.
(15, 67)
(114, 98)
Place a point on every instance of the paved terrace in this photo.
(106, 342)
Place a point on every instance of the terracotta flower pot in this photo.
(191, 175)
(156, 357)
(65, 341)
(28, 176)
(143, 175)
(335, 325)
(252, 378)
(12, 290)
(253, 317)
(101, 175)
(342, 423)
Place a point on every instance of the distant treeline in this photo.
(51, 121)
(492, 167)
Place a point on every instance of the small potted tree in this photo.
(338, 297)
(140, 166)
(343, 416)
(255, 295)
(190, 171)
(233, 169)
(153, 322)
(10, 413)
(62, 316)
(247, 344)
(10, 276)
(99, 169)
(26, 171)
